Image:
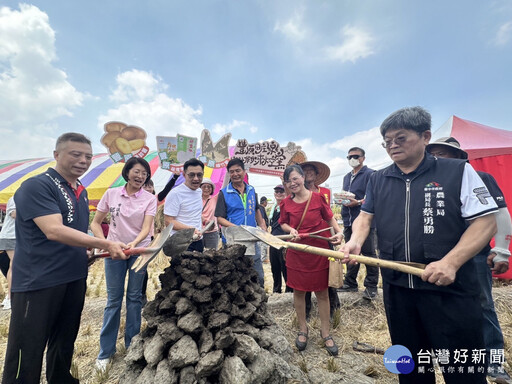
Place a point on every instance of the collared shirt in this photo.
(41, 263)
(355, 183)
(420, 216)
(234, 207)
(127, 213)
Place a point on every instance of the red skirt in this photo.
(307, 281)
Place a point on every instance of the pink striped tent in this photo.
(102, 174)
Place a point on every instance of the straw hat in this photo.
(449, 142)
(323, 170)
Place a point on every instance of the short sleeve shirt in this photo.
(127, 213)
(185, 204)
(8, 231)
(494, 189)
(41, 263)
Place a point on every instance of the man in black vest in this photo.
(421, 206)
(497, 258)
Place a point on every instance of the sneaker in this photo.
(370, 293)
(7, 303)
(102, 364)
(348, 288)
(497, 374)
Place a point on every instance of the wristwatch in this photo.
(359, 202)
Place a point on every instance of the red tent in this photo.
(489, 150)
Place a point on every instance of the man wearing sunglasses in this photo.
(422, 206)
(355, 182)
(184, 204)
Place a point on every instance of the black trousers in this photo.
(49, 316)
(426, 320)
(4, 262)
(368, 249)
(278, 267)
(196, 246)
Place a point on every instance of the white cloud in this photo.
(504, 34)
(221, 129)
(144, 104)
(137, 85)
(142, 101)
(356, 44)
(293, 28)
(33, 91)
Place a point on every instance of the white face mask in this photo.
(353, 163)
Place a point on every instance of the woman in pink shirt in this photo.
(132, 212)
(210, 238)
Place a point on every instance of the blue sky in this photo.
(323, 74)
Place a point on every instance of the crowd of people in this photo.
(429, 206)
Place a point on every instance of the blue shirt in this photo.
(41, 263)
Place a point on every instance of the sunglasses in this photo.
(195, 175)
(353, 157)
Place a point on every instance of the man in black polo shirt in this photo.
(421, 206)
(355, 182)
(50, 267)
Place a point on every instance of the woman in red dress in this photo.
(308, 272)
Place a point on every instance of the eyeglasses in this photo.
(278, 190)
(139, 173)
(194, 175)
(399, 140)
(353, 157)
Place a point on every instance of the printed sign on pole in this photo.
(214, 155)
(124, 141)
(175, 151)
(267, 157)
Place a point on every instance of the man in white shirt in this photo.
(184, 203)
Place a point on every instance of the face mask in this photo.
(353, 163)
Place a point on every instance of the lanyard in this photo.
(244, 199)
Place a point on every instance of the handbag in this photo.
(335, 274)
(335, 267)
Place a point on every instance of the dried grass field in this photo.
(358, 320)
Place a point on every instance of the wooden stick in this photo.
(397, 266)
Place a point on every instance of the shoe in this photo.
(7, 303)
(348, 288)
(497, 374)
(370, 293)
(102, 364)
(333, 351)
(6, 299)
(301, 345)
